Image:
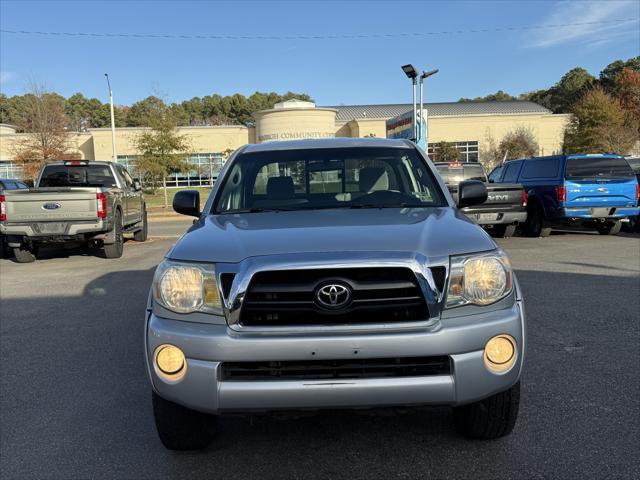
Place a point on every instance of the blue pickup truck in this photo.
(596, 191)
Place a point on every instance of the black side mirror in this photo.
(187, 202)
(137, 186)
(471, 192)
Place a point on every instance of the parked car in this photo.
(74, 201)
(333, 273)
(506, 205)
(12, 184)
(594, 191)
(633, 225)
(8, 184)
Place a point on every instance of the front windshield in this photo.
(322, 178)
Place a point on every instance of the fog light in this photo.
(500, 353)
(170, 362)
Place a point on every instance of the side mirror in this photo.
(471, 192)
(491, 180)
(187, 202)
(137, 186)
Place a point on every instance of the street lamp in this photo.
(422, 78)
(113, 121)
(411, 72)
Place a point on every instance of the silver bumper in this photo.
(507, 218)
(206, 346)
(27, 229)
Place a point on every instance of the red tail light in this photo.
(101, 200)
(561, 194)
(3, 209)
(524, 198)
(637, 191)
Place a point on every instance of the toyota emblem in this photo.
(333, 295)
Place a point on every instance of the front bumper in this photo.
(207, 346)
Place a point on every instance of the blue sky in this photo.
(332, 71)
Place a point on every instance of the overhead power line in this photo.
(217, 36)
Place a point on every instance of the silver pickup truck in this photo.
(333, 274)
(74, 201)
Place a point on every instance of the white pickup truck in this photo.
(74, 201)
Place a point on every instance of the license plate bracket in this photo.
(600, 212)
(50, 228)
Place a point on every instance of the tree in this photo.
(44, 122)
(627, 90)
(86, 113)
(570, 88)
(519, 143)
(598, 125)
(142, 113)
(609, 74)
(163, 150)
(445, 152)
(499, 96)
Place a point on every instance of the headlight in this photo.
(479, 279)
(187, 288)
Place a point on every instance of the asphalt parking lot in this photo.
(75, 401)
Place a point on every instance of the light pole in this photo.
(411, 72)
(422, 119)
(113, 121)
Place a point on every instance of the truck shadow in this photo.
(76, 401)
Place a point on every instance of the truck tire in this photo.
(503, 231)
(493, 417)
(180, 428)
(25, 254)
(142, 234)
(114, 250)
(536, 225)
(610, 228)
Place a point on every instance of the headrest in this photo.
(373, 178)
(280, 188)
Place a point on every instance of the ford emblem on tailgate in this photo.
(51, 206)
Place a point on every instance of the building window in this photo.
(468, 150)
(204, 169)
(10, 170)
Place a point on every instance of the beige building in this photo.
(468, 125)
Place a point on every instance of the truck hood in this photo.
(431, 232)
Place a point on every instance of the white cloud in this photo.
(6, 77)
(586, 13)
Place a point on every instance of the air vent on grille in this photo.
(344, 368)
(377, 295)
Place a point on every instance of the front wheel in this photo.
(114, 250)
(180, 428)
(609, 228)
(493, 417)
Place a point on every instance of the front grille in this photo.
(378, 295)
(340, 369)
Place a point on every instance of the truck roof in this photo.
(341, 142)
(81, 162)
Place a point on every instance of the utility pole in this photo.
(411, 72)
(113, 121)
(422, 119)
